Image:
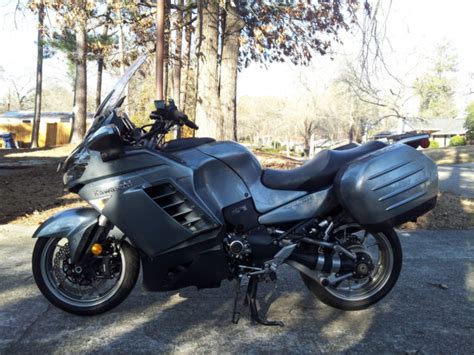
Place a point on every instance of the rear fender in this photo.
(71, 224)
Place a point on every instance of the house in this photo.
(441, 130)
(55, 127)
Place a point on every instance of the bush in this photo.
(456, 141)
(433, 145)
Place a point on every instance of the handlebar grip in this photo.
(181, 117)
(191, 124)
(178, 116)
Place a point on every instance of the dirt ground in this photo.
(31, 189)
(451, 155)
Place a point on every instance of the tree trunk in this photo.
(177, 63)
(197, 54)
(100, 69)
(186, 55)
(98, 92)
(159, 45)
(178, 24)
(166, 51)
(229, 68)
(79, 124)
(166, 65)
(208, 112)
(121, 43)
(39, 79)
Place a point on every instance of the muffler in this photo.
(332, 264)
(324, 262)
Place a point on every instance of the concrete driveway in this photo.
(457, 178)
(418, 316)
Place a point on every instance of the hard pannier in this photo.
(388, 187)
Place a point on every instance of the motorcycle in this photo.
(195, 212)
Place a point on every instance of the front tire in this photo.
(55, 282)
(391, 260)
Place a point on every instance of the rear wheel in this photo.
(89, 288)
(374, 279)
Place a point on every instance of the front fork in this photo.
(96, 236)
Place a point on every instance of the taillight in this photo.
(425, 143)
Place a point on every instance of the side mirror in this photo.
(107, 141)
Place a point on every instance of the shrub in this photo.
(433, 145)
(456, 141)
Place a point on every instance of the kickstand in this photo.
(235, 312)
(251, 300)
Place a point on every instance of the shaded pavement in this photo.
(419, 315)
(457, 178)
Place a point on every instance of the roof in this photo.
(439, 126)
(28, 115)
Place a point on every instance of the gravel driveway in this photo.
(431, 310)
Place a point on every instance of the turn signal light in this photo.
(96, 249)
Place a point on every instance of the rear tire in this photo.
(125, 284)
(331, 299)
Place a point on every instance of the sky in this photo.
(414, 29)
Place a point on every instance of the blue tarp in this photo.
(8, 141)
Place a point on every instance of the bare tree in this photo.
(364, 75)
(22, 92)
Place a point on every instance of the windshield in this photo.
(116, 94)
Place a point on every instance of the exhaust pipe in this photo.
(311, 266)
(330, 263)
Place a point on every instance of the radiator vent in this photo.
(179, 207)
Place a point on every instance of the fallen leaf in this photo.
(442, 286)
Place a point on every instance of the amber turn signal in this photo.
(96, 249)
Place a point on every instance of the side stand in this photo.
(235, 312)
(251, 301)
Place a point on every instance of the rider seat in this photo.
(317, 172)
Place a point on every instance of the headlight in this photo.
(75, 165)
(74, 173)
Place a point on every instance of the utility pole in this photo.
(160, 44)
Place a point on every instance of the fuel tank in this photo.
(245, 164)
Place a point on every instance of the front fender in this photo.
(70, 224)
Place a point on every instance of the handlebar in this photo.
(169, 112)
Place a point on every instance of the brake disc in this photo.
(70, 279)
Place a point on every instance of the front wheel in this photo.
(355, 293)
(90, 288)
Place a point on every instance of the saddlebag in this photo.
(388, 187)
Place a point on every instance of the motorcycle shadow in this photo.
(189, 319)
